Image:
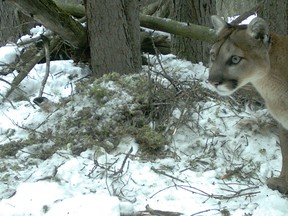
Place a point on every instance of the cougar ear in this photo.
(259, 29)
(218, 23)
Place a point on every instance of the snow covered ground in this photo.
(218, 169)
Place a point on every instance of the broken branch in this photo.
(55, 19)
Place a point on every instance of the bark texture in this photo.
(11, 23)
(276, 13)
(196, 12)
(114, 36)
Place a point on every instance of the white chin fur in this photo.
(223, 91)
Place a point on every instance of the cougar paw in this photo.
(278, 183)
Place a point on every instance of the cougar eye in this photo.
(235, 59)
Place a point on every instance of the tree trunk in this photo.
(12, 25)
(275, 13)
(114, 36)
(197, 12)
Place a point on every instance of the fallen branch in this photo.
(28, 60)
(12, 105)
(55, 19)
(150, 211)
(165, 75)
(76, 10)
(109, 168)
(194, 190)
(165, 174)
(245, 15)
(234, 194)
(197, 32)
(120, 171)
(54, 172)
(205, 211)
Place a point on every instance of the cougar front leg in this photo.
(281, 183)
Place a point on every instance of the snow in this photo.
(194, 180)
(35, 33)
(244, 22)
(8, 54)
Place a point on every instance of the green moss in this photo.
(149, 139)
(3, 168)
(98, 92)
(10, 149)
(87, 129)
(10, 132)
(113, 76)
(47, 153)
(15, 167)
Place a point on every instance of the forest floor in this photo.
(155, 143)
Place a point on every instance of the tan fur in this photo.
(273, 87)
(264, 63)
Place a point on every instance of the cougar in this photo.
(251, 54)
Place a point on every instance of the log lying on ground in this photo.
(55, 19)
(76, 10)
(196, 32)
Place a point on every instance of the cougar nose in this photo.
(215, 77)
(215, 82)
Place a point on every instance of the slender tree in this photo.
(114, 36)
(196, 12)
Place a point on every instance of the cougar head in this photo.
(239, 56)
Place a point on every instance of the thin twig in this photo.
(26, 64)
(124, 162)
(163, 173)
(208, 210)
(164, 74)
(106, 175)
(194, 190)
(8, 101)
(54, 172)
(47, 56)
(161, 191)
